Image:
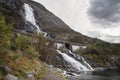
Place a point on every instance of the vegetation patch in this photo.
(22, 64)
(100, 52)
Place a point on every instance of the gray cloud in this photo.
(104, 11)
(73, 13)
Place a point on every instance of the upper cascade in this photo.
(29, 16)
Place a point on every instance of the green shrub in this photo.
(16, 56)
(5, 35)
(32, 52)
(21, 42)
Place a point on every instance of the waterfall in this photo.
(81, 67)
(29, 16)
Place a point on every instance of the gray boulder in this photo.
(10, 77)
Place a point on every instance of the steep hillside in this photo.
(14, 12)
(55, 26)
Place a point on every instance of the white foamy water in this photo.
(29, 16)
(74, 63)
(82, 59)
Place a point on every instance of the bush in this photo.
(16, 56)
(21, 42)
(32, 52)
(25, 44)
(41, 44)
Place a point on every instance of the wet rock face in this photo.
(29, 27)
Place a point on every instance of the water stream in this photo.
(80, 58)
(81, 67)
(29, 16)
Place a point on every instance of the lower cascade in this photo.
(80, 58)
(80, 65)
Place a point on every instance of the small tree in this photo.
(5, 35)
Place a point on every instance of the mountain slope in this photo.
(13, 11)
(53, 25)
(46, 20)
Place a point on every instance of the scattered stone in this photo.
(30, 76)
(10, 77)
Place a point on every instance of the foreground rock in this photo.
(7, 69)
(10, 77)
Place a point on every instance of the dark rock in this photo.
(29, 27)
(7, 69)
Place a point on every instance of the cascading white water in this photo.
(29, 16)
(81, 58)
(74, 63)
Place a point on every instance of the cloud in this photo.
(104, 11)
(94, 18)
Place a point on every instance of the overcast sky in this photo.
(95, 18)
